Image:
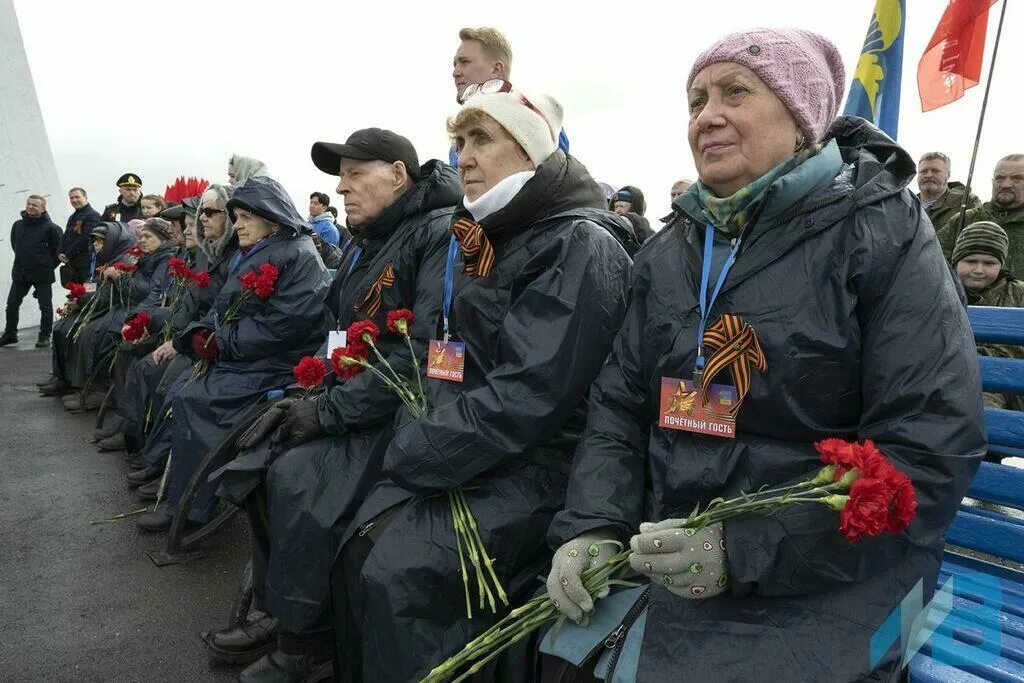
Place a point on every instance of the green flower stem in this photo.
(483, 550)
(527, 628)
(462, 562)
(474, 555)
(416, 369)
(407, 398)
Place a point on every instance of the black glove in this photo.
(258, 432)
(301, 424)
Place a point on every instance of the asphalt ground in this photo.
(81, 601)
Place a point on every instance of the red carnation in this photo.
(135, 251)
(135, 329)
(248, 280)
(400, 321)
(902, 502)
(345, 361)
(310, 372)
(866, 512)
(179, 268)
(358, 331)
(125, 267)
(76, 290)
(844, 454)
(201, 279)
(60, 311)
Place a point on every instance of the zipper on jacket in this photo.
(618, 637)
(365, 529)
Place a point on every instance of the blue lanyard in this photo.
(92, 266)
(705, 278)
(356, 253)
(449, 281)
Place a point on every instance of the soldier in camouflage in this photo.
(940, 198)
(1006, 209)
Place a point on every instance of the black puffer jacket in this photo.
(865, 338)
(36, 243)
(536, 331)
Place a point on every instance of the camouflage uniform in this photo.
(948, 205)
(1012, 221)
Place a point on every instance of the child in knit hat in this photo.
(979, 256)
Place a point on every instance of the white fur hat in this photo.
(537, 136)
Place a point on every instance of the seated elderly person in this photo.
(799, 294)
(210, 243)
(535, 289)
(80, 335)
(301, 496)
(269, 313)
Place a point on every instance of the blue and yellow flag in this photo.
(875, 90)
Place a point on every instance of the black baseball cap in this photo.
(368, 144)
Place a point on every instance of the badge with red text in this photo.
(446, 360)
(90, 287)
(682, 408)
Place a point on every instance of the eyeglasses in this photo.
(210, 212)
(498, 85)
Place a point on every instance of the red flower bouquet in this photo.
(872, 496)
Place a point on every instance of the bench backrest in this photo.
(993, 531)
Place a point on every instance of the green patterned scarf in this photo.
(730, 214)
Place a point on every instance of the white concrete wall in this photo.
(26, 161)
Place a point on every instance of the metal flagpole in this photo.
(981, 119)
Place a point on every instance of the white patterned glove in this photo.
(691, 564)
(565, 587)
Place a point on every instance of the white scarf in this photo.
(498, 196)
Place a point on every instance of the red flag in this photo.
(952, 61)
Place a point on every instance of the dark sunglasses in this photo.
(210, 213)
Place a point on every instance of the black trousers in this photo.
(44, 293)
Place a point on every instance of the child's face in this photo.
(149, 209)
(978, 271)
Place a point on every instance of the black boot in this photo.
(43, 342)
(278, 667)
(8, 338)
(148, 491)
(145, 475)
(243, 644)
(56, 387)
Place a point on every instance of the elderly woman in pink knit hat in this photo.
(798, 294)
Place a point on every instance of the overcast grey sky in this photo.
(170, 88)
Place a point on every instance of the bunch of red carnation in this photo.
(182, 274)
(881, 497)
(135, 252)
(136, 328)
(310, 372)
(126, 267)
(260, 283)
(76, 290)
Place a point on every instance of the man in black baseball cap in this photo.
(375, 166)
(367, 144)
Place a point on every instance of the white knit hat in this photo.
(539, 138)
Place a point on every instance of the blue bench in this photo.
(981, 637)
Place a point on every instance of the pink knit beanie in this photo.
(803, 69)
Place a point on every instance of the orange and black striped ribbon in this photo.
(477, 251)
(371, 302)
(737, 348)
